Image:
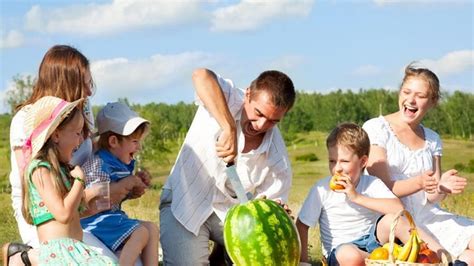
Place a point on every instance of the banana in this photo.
(415, 248)
(405, 251)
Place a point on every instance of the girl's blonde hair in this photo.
(49, 153)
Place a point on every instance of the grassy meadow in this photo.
(309, 163)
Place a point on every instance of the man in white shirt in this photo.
(230, 125)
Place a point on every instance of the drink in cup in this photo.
(103, 199)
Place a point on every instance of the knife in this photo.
(231, 172)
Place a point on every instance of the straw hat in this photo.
(42, 118)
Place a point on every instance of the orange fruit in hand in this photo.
(332, 182)
(379, 253)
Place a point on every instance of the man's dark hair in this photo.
(278, 85)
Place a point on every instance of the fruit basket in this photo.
(410, 251)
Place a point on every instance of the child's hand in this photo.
(349, 189)
(120, 190)
(428, 182)
(145, 176)
(77, 172)
(451, 183)
(138, 188)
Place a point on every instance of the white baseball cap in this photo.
(118, 118)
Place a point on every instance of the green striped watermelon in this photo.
(260, 232)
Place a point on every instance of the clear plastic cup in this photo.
(103, 199)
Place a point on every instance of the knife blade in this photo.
(231, 172)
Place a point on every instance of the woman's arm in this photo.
(378, 166)
(448, 183)
(381, 205)
(19, 161)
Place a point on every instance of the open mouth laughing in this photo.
(410, 110)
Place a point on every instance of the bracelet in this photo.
(81, 180)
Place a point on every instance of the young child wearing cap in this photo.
(52, 189)
(121, 131)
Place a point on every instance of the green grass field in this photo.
(306, 173)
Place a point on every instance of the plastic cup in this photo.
(103, 199)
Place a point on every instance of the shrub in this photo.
(308, 157)
(469, 168)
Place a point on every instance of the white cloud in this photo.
(367, 70)
(417, 2)
(251, 14)
(145, 80)
(451, 63)
(12, 39)
(120, 15)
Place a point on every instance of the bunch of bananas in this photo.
(409, 252)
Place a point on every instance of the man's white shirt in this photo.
(198, 181)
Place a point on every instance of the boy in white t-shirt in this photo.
(348, 217)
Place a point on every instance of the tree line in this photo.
(321, 112)
(312, 111)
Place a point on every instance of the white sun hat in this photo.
(118, 118)
(42, 119)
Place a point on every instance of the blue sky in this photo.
(146, 50)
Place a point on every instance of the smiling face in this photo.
(344, 160)
(69, 137)
(414, 100)
(125, 149)
(259, 114)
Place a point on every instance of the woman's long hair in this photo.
(61, 74)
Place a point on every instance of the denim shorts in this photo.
(365, 243)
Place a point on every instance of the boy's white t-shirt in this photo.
(340, 220)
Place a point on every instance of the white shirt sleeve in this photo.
(17, 139)
(377, 134)
(436, 145)
(17, 131)
(231, 94)
(311, 209)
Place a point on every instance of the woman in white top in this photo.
(64, 72)
(407, 157)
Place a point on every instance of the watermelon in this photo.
(260, 232)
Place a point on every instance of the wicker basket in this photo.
(391, 260)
